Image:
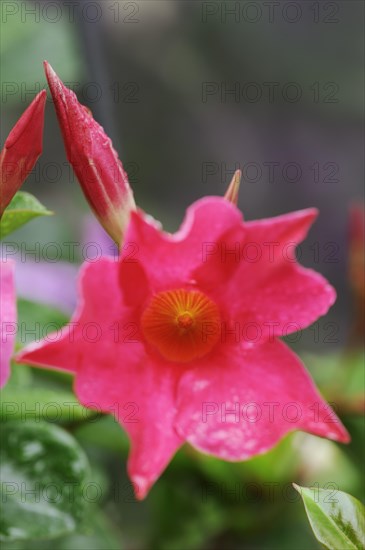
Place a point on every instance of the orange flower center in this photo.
(182, 324)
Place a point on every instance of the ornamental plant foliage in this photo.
(185, 331)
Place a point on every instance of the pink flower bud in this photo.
(94, 160)
(21, 150)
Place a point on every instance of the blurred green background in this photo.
(142, 67)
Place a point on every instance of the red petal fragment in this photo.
(21, 150)
(8, 317)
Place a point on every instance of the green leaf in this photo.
(42, 403)
(337, 519)
(96, 533)
(37, 316)
(43, 481)
(21, 210)
(41, 394)
(99, 534)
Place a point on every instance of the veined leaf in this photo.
(21, 210)
(337, 519)
(43, 481)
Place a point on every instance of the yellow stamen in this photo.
(182, 324)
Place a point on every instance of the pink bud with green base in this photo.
(94, 160)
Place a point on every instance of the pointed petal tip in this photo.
(333, 430)
(141, 486)
(41, 96)
(20, 356)
(48, 69)
(30, 355)
(54, 82)
(39, 105)
(343, 435)
(30, 124)
(310, 213)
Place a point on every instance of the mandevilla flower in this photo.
(7, 318)
(95, 162)
(179, 337)
(21, 150)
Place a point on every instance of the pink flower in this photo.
(21, 150)
(179, 338)
(95, 162)
(7, 318)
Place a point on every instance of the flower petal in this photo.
(291, 301)
(7, 318)
(61, 350)
(114, 374)
(276, 295)
(141, 395)
(169, 259)
(240, 404)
